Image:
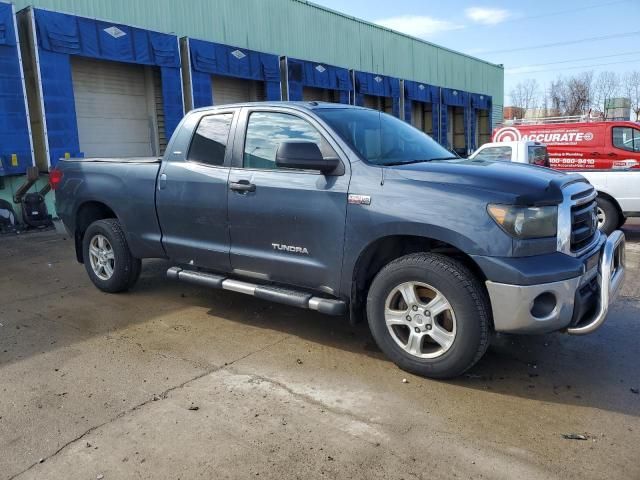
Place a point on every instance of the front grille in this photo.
(584, 225)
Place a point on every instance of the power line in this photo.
(635, 52)
(568, 68)
(573, 10)
(568, 42)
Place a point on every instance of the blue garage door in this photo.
(454, 120)
(317, 81)
(378, 92)
(16, 153)
(61, 36)
(481, 112)
(231, 73)
(421, 103)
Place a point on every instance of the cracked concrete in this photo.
(94, 384)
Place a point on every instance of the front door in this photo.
(192, 196)
(286, 225)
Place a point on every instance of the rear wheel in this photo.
(608, 216)
(107, 257)
(429, 314)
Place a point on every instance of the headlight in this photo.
(525, 222)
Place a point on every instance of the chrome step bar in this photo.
(286, 296)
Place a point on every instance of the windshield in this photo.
(381, 139)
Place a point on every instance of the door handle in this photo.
(242, 186)
(595, 154)
(162, 182)
(613, 154)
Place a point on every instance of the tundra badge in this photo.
(290, 248)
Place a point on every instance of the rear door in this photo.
(287, 225)
(192, 195)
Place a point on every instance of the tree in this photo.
(557, 99)
(578, 94)
(605, 87)
(525, 94)
(631, 90)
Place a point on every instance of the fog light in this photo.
(544, 305)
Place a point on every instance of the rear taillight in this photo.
(55, 178)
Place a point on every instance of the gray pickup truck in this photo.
(346, 210)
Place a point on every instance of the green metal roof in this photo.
(299, 29)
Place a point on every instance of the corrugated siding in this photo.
(496, 115)
(300, 30)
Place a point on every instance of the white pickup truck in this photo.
(618, 190)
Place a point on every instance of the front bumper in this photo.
(579, 304)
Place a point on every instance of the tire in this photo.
(107, 257)
(608, 216)
(466, 321)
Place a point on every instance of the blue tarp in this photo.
(478, 102)
(61, 35)
(454, 98)
(209, 58)
(15, 144)
(303, 73)
(378, 86)
(424, 93)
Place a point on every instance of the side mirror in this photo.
(305, 156)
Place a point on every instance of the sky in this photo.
(562, 32)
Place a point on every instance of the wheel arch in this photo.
(383, 250)
(607, 196)
(87, 213)
(611, 198)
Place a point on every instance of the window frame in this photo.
(230, 140)
(241, 137)
(635, 139)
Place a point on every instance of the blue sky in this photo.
(485, 29)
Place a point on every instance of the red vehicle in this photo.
(583, 145)
(606, 153)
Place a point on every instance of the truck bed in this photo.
(126, 185)
(116, 160)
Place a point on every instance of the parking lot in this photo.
(175, 381)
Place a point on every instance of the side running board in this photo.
(275, 294)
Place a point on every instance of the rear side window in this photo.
(209, 143)
(493, 154)
(538, 155)
(626, 138)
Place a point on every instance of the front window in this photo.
(267, 130)
(626, 138)
(494, 154)
(381, 139)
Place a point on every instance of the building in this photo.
(114, 78)
(618, 109)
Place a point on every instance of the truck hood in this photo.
(525, 184)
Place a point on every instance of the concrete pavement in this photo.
(175, 381)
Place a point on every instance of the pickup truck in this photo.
(350, 211)
(618, 193)
(523, 151)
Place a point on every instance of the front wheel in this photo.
(429, 314)
(107, 257)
